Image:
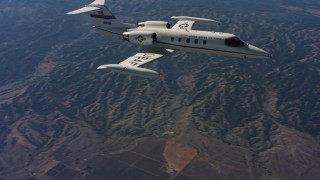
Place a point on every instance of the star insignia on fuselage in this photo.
(140, 38)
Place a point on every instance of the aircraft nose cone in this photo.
(259, 52)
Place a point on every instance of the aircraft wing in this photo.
(145, 57)
(186, 22)
(183, 25)
(131, 65)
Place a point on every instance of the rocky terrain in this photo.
(206, 118)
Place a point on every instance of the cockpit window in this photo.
(234, 42)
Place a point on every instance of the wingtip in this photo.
(102, 67)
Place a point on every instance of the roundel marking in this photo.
(185, 25)
(140, 38)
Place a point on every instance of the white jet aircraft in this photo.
(163, 39)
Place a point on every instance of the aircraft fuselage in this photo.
(208, 42)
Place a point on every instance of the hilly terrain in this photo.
(206, 117)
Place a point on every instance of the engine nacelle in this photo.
(155, 24)
(140, 37)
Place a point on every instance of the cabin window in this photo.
(196, 41)
(234, 42)
(204, 42)
(188, 40)
(172, 38)
(179, 39)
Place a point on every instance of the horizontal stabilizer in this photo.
(83, 10)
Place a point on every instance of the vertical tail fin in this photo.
(103, 19)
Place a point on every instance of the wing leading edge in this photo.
(131, 65)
